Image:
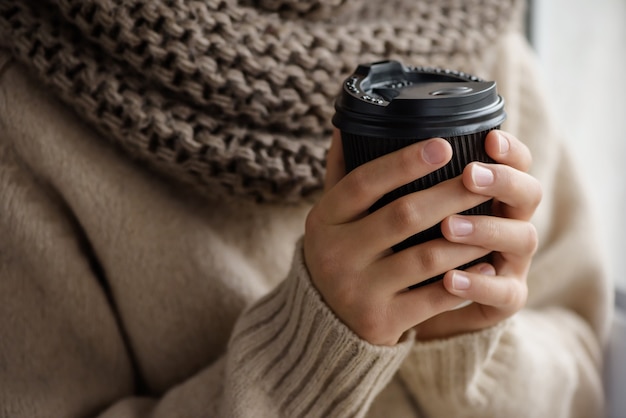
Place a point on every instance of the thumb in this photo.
(335, 165)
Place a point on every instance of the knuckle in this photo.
(531, 240)
(437, 301)
(530, 190)
(515, 296)
(521, 296)
(429, 259)
(510, 297)
(359, 182)
(403, 215)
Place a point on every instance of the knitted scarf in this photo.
(233, 96)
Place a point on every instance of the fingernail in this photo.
(503, 144)
(487, 270)
(434, 152)
(460, 281)
(481, 176)
(461, 227)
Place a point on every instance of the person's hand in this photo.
(498, 289)
(347, 249)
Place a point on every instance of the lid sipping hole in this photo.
(450, 91)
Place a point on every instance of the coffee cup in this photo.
(385, 106)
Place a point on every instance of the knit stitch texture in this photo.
(234, 97)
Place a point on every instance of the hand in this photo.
(347, 249)
(498, 289)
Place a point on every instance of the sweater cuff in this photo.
(457, 372)
(304, 359)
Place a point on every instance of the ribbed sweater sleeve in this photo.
(291, 356)
(538, 364)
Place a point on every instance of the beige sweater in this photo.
(122, 295)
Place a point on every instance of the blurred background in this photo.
(582, 48)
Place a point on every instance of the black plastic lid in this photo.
(387, 99)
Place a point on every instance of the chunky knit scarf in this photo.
(233, 96)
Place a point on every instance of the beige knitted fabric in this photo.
(233, 96)
(124, 297)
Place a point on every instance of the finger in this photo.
(416, 212)
(415, 264)
(335, 165)
(518, 190)
(510, 236)
(364, 185)
(508, 293)
(505, 293)
(423, 304)
(505, 148)
(482, 268)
